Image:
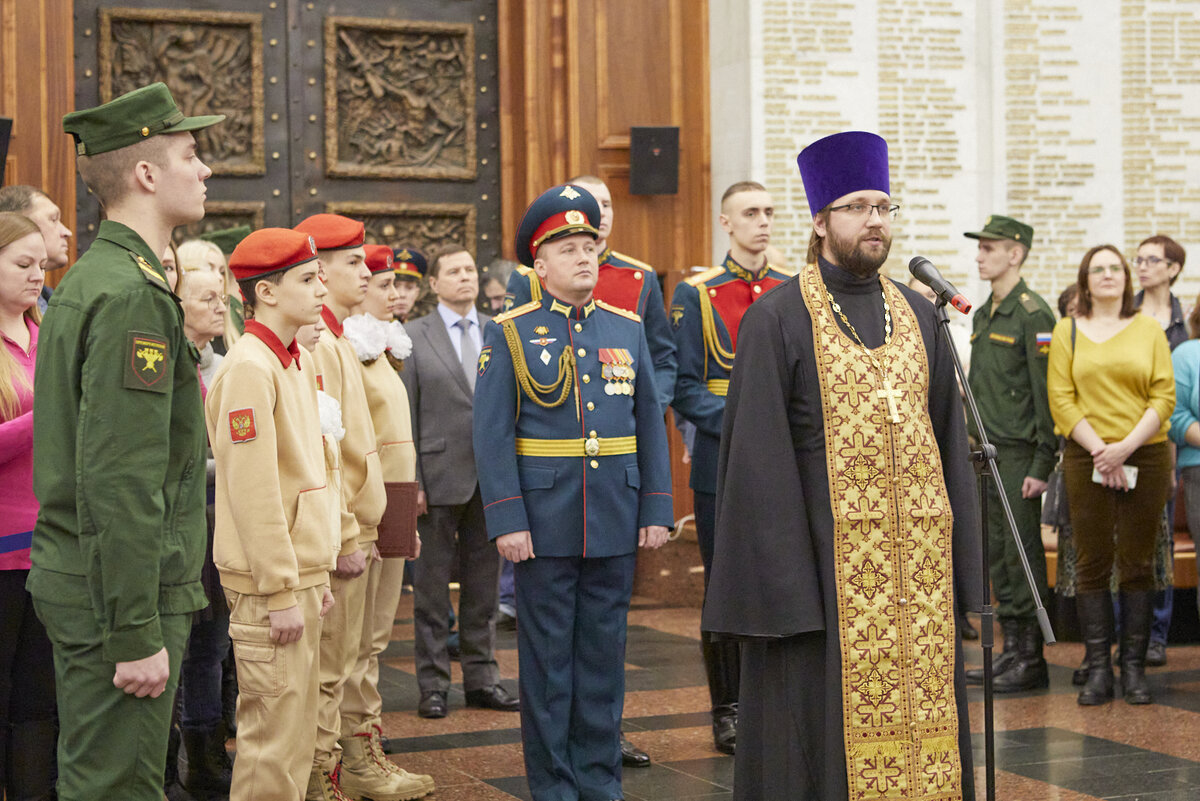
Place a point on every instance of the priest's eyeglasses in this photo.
(859, 210)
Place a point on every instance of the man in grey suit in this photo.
(440, 378)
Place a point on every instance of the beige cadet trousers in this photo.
(277, 699)
(361, 702)
(340, 635)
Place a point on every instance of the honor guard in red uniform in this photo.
(705, 312)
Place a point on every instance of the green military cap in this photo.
(227, 238)
(129, 119)
(1001, 227)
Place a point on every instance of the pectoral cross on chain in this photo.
(891, 395)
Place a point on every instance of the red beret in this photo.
(379, 258)
(271, 250)
(333, 231)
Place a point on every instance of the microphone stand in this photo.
(984, 461)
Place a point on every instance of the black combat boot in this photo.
(209, 768)
(1008, 653)
(722, 662)
(1028, 671)
(1095, 619)
(1137, 610)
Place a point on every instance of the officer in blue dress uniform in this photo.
(623, 281)
(575, 476)
(705, 312)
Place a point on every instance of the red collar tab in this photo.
(331, 320)
(287, 356)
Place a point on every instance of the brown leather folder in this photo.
(398, 528)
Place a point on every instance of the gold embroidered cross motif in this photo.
(861, 472)
(933, 684)
(875, 687)
(928, 576)
(869, 579)
(920, 470)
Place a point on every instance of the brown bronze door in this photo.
(383, 111)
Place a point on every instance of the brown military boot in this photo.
(323, 786)
(367, 773)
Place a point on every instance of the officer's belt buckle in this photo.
(590, 447)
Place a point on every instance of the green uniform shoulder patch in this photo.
(147, 363)
(1029, 303)
(524, 308)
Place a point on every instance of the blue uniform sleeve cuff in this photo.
(506, 515)
(657, 509)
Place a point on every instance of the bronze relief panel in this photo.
(212, 63)
(399, 99)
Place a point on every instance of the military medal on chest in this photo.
(617, 371)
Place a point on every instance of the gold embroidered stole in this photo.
(892, 554)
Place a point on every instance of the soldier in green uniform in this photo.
(1010, 349)
(119, 464)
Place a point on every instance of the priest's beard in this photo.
(851, 256)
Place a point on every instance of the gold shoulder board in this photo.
(524, 308)
(633, 261)
(637, 318)
(707, 275)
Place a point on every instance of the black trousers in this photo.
(449, 533)
(26, 658)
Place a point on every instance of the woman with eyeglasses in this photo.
(1112, 391)
(1158, 263)
(202, 297)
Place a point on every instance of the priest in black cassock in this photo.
(847, 521)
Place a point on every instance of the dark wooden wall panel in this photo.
(37, 88)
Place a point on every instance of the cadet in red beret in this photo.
(365, 770)
(271, 542)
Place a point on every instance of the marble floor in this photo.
(1047, 747)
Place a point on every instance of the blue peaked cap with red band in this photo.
(559, 211)
(851, 161)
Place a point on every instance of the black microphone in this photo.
(924, 271)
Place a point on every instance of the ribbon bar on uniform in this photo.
(591, 446)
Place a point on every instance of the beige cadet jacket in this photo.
(273, 518)
(340, 374)
(388, 400)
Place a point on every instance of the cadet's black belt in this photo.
(591, 446)
(718, 386)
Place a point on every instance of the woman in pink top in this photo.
(27, 710)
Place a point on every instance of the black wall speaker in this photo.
(654, 160)
(5, 133)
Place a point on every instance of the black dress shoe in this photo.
(725, 733)
(967, 630)
(494, 697)
(632, 756)
(433, 705)
(505, 621)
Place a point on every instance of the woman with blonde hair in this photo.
(1112, 391)
(27, 705)
(200, 254)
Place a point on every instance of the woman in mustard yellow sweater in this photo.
(1112, 391)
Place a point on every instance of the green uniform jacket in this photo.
(119, 442)
(1008, 374)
